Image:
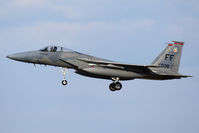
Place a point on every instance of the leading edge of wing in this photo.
(116, 65)
(68, 63)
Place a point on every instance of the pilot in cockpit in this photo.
(54, 49)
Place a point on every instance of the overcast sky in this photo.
(32, 99)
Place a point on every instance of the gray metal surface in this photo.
(164, 67)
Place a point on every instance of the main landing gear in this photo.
(116, 85)
(64, 72)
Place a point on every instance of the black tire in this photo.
(117, 86)
(111, 87)
(64, 82)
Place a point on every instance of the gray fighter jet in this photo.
(164, 67)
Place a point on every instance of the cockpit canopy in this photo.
(55, 49)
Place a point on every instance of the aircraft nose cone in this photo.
(18, 57)
(9, 56)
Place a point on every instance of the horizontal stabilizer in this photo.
(177, 76)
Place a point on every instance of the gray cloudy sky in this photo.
(33, 100)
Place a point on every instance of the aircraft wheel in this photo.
(111, 87)
(64, 82)
(118, 86)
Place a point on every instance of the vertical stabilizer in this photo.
(169, 59)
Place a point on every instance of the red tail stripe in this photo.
(179, 43)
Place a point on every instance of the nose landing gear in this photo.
(64, 82)
(64, 72)
(116, 85)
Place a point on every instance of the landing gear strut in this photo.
(64, 72)
(116, 85)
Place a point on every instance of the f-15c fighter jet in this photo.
(164, 67)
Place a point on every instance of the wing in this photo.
(115, 65)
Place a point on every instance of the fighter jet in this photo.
(164, 67)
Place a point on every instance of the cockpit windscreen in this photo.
(55, 49)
